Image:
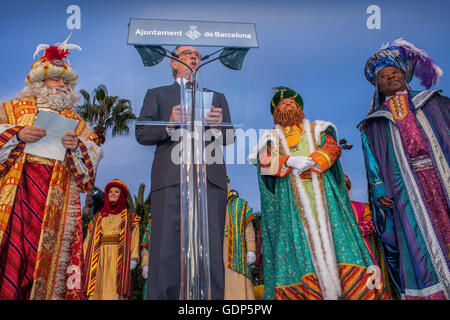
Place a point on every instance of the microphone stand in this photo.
(194, 256)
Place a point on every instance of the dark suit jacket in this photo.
(158, 104)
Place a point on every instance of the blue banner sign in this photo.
(193, 33)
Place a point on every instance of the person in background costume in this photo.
(406, 143)
(259, 289)
(111, 247)
(145, 245)
(364, 217)
(238, 249)
(41, 235)
(312, 247)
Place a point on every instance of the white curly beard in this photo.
(56, 100)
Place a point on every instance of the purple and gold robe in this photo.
(406, 146)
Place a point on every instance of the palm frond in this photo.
(86, 95)
(105, 111)
(100, 92)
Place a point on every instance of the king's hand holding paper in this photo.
(53, 141)
(70, 140)
(31, 134)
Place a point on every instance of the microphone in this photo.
(205, 57)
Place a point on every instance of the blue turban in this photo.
(388, 56)
(405, 56)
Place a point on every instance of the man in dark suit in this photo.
(163, 104)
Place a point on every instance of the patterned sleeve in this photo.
(145, 244)
(146, 237)
(8, 141)
(250, 237)
(134, 246)
(377, 188)
(87, 238)
(326, 154)
(366, 224)
(88, 151)
(84, 161)
(144, 257)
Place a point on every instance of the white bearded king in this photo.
(40, 214)
(49, 66)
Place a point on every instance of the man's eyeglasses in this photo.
(188, 53)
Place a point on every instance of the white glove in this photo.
(251, 257)
(133, 263)
(145, 272)
(299, 164)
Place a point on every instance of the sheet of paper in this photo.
(206, 97)
(56, 127)
(207, 102)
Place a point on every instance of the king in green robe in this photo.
(312, 247)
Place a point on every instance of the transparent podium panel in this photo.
(217, 79)
(195, 266)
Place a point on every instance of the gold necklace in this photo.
(292, 134)
(398, 107)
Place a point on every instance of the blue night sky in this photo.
(318, 48)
